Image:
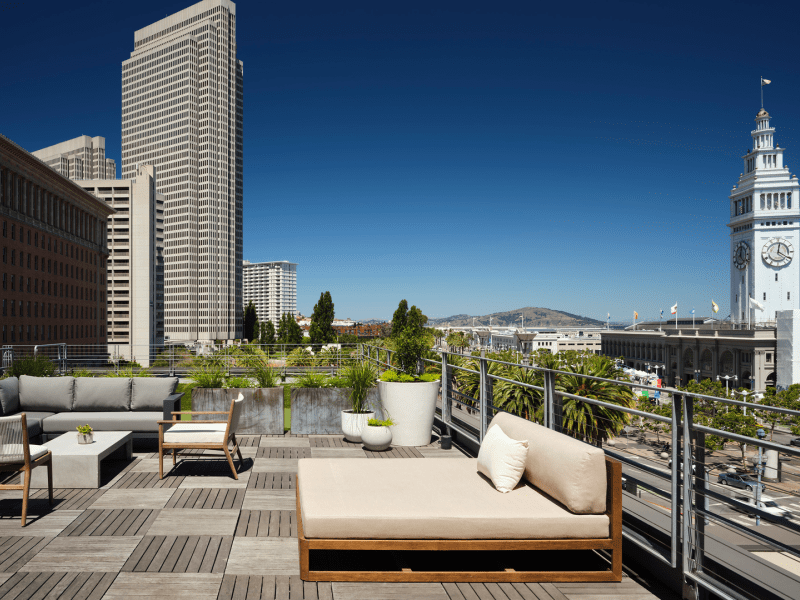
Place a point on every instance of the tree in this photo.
(348, 338)
(267, 333)
(250, 320)
(787, 398)
(321, 330)
(399, 318)
(735, 421)
(289, 331)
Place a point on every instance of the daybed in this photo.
(54, 405)
(570, 498)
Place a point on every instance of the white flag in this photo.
(756, 304)
(765, 81)
(674, 309)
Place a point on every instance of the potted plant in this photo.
(85, 434)
(376, 435)
(360, 378)
(404, 395)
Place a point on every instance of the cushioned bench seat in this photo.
(359, 498)
(144, 421)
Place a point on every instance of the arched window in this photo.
(783, 200)
(705, 360)
(726, 363)
(688, 359)
(789, 200)
(762, 201)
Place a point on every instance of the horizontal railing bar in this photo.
(618, 407)
(717, 588)
(645, 544)
(646, 468)
(743, 530)
(746, 439)
(529, 386)
(750, 507)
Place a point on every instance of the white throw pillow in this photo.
(502, 459)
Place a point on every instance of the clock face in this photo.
(741, 255)
(777, 252)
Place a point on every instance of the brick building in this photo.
(54, 252)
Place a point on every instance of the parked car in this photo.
(795, 441)
(744, 482)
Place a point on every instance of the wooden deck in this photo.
(199, 534)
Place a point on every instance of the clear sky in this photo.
(471, 157)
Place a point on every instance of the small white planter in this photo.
(376, 439)
(85, 438)
(412, 406)
(354, 423)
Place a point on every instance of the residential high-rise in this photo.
(83, 157)
(272, 287)
(182, 113)
(135, 264)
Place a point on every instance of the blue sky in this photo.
(470, 157)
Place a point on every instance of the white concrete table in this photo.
(78, 465)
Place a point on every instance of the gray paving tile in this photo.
(188, 521)
(83, 554)
(48, 525)
(275, 465)
(270, 500)
(263, 556)
(134, 498)
(177, 586)
(287, 442)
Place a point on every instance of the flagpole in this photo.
(762, 92)
(692, 318)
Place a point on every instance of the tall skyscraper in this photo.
(182, 113)
(272, 287)
(82, 157)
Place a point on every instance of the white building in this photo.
(135, 264)
(764, 225)
(83, 157)
(182, 113)
(272, 287)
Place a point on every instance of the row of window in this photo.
(72, 271)
(49, 310)
(52, 288)
(36, 333)
(48, 243)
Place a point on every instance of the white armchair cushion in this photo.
(502, 459)
(13, 453)
(195, 432)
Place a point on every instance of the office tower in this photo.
(182, 113)
(83, 157)
(272, 286)
(135, 264)
(54, 251)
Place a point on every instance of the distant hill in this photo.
(534, 317)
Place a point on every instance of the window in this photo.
(765, 295)
(769, 357)
(776, 277)
(788, 295)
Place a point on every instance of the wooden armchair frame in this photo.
(228, 437)
(25, 467)
(612, 544)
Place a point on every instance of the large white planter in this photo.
(376, 439)
(411, 406)
(353, 423)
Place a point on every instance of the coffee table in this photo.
(78, 465)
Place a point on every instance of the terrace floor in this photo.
(199, 534)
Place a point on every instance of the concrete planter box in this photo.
(318, 411)
(262, 413)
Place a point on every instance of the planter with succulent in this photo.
(85, 434)
(376, 435)
(360, 379)
(407, 397)
(262, 411)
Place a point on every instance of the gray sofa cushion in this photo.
(9, 395)
(102, 394)
(104, 421)
(149, 393)
(51, 394)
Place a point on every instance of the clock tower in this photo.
(764, 231)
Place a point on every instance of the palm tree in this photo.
(521, 401)
(592, 423)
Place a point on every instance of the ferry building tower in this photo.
(764, 231)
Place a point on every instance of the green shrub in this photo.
(81, 373)
(238, 382)
(337, 381)
(395, 376)
(35, 366)
(300, 357)
(259, 368)
(208, 375)
(360, 378)
(129, 372)
(379, 423)
(312, 379)
(431, 377)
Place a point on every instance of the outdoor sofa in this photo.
(54, 405)
(569, 499)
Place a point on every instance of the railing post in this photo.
(445, 392)
(549, 399)
(688, 410)
(483, 397)
(675, 487)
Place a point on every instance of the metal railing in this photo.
(680, 517)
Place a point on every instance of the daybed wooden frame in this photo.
(613, 544)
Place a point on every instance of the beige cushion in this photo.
(195, 433)
(444, 498)
(571, 471)
(12, 453)
(502, 459)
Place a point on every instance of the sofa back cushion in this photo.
(102, 394)
(46, 394)
(9, 395)
(149, 393)
(568, 470)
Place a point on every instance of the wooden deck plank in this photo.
(185, 557)
(174, 554)
(47, 586)
(199, 553)
(26, 582)
(146, 560)
(161, 554)
(211, 554)
(102, 586)
(223, 552)
(554, 592)
(226, 588)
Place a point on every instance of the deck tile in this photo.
(270, 500)
(46, 525)
(184, 521)
(83, 554)
(218, 481)
(284, 453)
(176, 586)
(267, 523)
(354, 452)
(346, 590)
(275, 465)
(284, 442)
(272, 481)
(263, 556)
(144, 498)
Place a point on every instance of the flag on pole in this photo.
(674, 309)
(635, 315)
(608, 315)
(765, 81)
(692, 312)
(662, 312)
(714, 307)
(755, 303)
